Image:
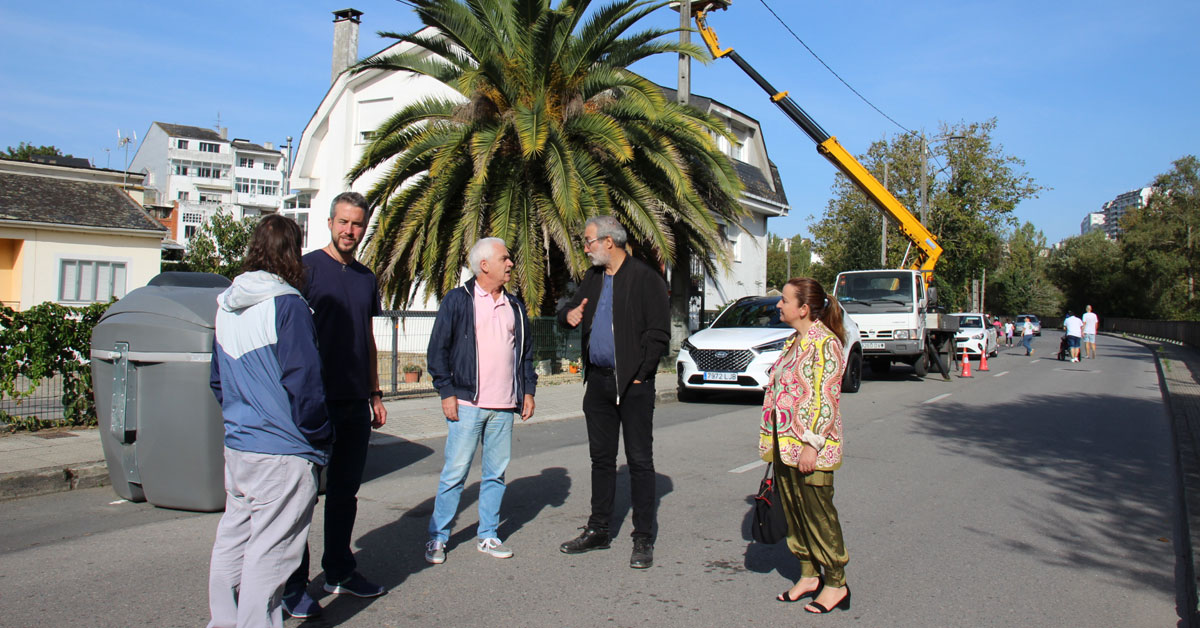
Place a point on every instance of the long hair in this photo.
(820, 305)
(275, 248)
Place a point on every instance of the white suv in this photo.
(738, 349)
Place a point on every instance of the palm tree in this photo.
(551, 129)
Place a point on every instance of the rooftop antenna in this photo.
(123, 141)
(218, 126)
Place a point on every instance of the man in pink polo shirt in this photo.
(481, 361)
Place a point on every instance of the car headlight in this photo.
(771, 346)
(900, 334)
(688, 346)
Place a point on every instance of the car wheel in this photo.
(921, 366)
(852, 380)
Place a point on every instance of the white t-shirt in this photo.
(1074, 326)
(1008, 328)
(1027, 328)
(1090, 321)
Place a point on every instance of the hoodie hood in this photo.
(253, 288)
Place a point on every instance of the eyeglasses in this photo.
(587, 244)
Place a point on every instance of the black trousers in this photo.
(352, 432)
(606, 420)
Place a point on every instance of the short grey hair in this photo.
(480, 251)
(352, 198)
(608, 227)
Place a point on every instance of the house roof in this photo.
(250, 146)
(60, 160)
(191, 132)
(37, 199)
(756, 184)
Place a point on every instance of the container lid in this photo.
(197, 306)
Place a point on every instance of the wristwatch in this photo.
(377, 393)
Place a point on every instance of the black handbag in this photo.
(770, 524)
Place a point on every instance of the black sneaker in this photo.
(300, 604)
(591, 539)
(643, 554)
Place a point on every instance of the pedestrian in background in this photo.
(266, 374)
(1074, 327)
(623, 307)
(1027, 336)
(1008, 332)
(481, 360)
(801, 433)
(1091, 324)
(344, 297)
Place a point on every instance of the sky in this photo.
(1096, 97)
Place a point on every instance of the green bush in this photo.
(40, 343)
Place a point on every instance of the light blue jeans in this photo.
(493, 428)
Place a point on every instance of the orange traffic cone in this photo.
(966, 361)
(983, 359)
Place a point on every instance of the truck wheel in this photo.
(881, 366)
(852, 379)
(921, 366)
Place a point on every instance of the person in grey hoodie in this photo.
(266, 374)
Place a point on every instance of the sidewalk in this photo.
(61, 460)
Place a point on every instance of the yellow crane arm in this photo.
(926, 243)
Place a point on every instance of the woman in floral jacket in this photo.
(801, 406)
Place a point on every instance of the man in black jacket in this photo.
(623, 307)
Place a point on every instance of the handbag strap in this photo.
(775, 441)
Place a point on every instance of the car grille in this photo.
(722, 359)
(884, 334)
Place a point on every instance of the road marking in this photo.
(119, 501)
(746, 467)
(1077, 370)
(1001, 374)
(937, 398)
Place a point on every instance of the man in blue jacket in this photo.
(266, 374)
(481, 361)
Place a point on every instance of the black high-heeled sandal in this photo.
(784, 597)
(843, 605)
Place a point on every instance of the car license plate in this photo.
(720, 377)
(873, 345)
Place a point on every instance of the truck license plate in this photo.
(873, 345)
(720, 377)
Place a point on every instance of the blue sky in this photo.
(1094, 96)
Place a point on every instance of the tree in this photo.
(548, 128)
(777, 260)
(24, 151)
(1160, 247)
(969, 212)
(219, 245)
(1088, 269)
(1020, 284)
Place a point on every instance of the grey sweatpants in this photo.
(269, 503)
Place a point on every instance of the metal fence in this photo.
(403, 339)
(45, 403)
(1187, 332)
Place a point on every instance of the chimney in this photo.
(268, 146)
(224, 132)
(345, 40)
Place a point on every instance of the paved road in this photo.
(1036, 494)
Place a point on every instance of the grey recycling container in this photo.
(160, 424)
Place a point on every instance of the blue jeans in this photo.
(1028, 342)
(474, 425)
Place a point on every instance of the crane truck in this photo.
(895, 309)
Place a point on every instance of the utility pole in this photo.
(924, 181)
(787, 248)
(681, 270)
(683, 94)
(883, 231)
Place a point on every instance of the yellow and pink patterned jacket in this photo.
(806, 394)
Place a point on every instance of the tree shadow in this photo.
(394, 552)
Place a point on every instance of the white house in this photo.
(356, 105)
(202, 172)
(72, 235)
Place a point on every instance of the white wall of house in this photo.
(113, 263)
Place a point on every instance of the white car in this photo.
(738, 349)
(975, 335)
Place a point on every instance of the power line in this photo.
(831, 70)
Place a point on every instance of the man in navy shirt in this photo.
(344, 296)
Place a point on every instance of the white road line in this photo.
(119, 501)
(937, 398)
(746, 467)
(1001, 374)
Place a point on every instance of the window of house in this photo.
(241, 185)
(246, 162)
(182, 195)
(210, 198)
(181, 169)
(87, 281)
(301, 219)
(366, 136)
(189, 231)
(181, 144)
(269, 188)
(268, 165)
(193, 217)
(209, 147)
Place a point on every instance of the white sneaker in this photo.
(435, 552)
(494, 548)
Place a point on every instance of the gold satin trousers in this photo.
(814, 532)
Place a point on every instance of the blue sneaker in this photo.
(355, 585)
(301, 605)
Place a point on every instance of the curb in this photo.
(46, 480)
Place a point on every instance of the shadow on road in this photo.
(389, 453)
